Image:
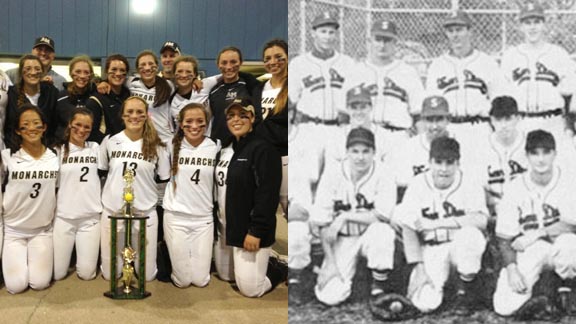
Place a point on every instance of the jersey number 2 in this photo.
(36, 188)
(85, 171)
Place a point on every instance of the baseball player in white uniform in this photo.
(541, 74)
(354, 204)
(123, 151)
(467, 78)
(188, 202)
(79, 204)
(535, 226)
(359, 108)
(31, 174)
(395, 87)
(443, 214)
(317, 77)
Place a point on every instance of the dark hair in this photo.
(282, 97)
(229, 48)
(179, 136)
(163, 90)
(16, 140)
(20, 84)
(116, 57)
(66, 139)
(276, 42)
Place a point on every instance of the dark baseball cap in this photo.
(458, 18)
(44, 40)
(384, 28)
(540, 139)
(358, 94)
(445, 148)
(244, 103)
(325, 19)
(360, 135)
(503, 106)
(435, 106)
(531, 10)
(170, 45)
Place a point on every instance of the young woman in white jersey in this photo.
(139, 148)
(79, 204)
(188, 202)
(274, 101)
(31, 173)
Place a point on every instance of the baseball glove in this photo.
(392, 307)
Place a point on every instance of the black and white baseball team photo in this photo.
(432, 175)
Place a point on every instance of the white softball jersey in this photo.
(119, 153)
(539, 77)
(221, 175)
(194, 181)
(468, 84)
(161, 115)
(269, 95)
(315, 85)
(396, 90)
(79, 190)
(30, 196)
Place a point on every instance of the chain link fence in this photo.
(419, 24)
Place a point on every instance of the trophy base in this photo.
(133, 294)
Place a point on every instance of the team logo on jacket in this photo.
(543, 73)
(471, 81)
(336, 81)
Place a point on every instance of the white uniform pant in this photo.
(85, 232)
(299, 245)
(376, 244)
(250, 271)
(223, 256)
(464, 253)
(189, 242)
(27, 261)
(559, 256)
(151, 244)
(284, 186)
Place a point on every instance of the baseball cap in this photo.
(170, 45)
(444, 148)
(503, 106)
(358, 94)
(244, 103)
(435, 106)
(384, 28)
(531, 10)
(360, 135)
(326, 18)
(44, 40)
(540, 139)
(458, 17)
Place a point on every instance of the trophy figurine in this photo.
(130, 275)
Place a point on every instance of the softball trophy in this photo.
(126, 290)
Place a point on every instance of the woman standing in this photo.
(139, 148)
(253, 182)
(75, 94)
(106, 107)
(188, 202)
(29, 89)
(273, 96)
(31, 171)
(79, 206)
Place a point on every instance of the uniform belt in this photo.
(468, 119)
(392, 127)
(548, 113)
(317, 120)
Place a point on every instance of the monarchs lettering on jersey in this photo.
(127, 155)
(146, 97)
(79, 159)
(33, 175)
(223, 163)
(196, 161)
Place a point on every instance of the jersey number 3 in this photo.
(36, 188)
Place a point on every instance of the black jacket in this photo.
(274, 128)
(252, 187)
(46, 103)
(65, 107)
(222, 95)
(111, 107)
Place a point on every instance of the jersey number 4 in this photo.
(195, 176)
